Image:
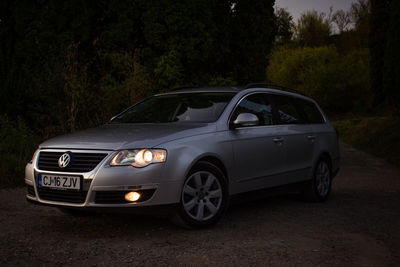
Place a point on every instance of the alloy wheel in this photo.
(323, 180)
(202, 196)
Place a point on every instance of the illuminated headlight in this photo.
(139, 157)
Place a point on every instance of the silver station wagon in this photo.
(193, 148)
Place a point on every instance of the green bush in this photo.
(375, 135)
(338, 82)
(17, 144)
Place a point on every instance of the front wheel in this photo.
(318, 189)
(204, 196)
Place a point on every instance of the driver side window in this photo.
(257, 104)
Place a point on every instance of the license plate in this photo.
(59, 181)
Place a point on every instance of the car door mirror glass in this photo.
(246, 119)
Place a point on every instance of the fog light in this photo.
(132, 196)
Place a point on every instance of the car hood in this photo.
(127, 136)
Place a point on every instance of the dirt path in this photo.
(358, 226)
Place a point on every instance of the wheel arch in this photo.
(217, 162)
(327, 156)
(213, 159)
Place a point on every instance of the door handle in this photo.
(311, 138)
(278, 140)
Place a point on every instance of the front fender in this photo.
(184, 153)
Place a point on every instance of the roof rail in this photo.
(272, 86)
(182, 88)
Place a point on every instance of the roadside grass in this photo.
(377, 135)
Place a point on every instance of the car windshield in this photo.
(181, 107)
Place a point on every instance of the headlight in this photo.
(139, 157)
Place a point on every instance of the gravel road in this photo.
(358, 226)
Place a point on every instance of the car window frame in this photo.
(230, 118)
(299, 110)
(316, 107)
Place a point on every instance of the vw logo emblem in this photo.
(64, 160)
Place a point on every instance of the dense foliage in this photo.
(391, 68)
(313, 29)
(68, 65)
(366, 133)
(338, 82)
(72, 64)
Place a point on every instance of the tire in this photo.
(204, 196)
(319, 188)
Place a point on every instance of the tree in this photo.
(181, 42)
(339, 83)
(74, 75)
(312, 29)
(169, 71)
(379, 20)
(359, 12)
(360, 15)
(252, 35)
(284, 25)
(391, 68)
(341, 19)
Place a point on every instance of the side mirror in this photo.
(245, 119)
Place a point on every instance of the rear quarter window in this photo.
(311, 112)
(287, 110)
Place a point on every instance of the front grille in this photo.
(118, 197)
(80, 162)
(62, 195)
(30, 190)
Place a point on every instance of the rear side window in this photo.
(257, 104)
(287, 111)
(311, 112)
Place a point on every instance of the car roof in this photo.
(204, 89)
(260, 87)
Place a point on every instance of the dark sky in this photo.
(296, 7)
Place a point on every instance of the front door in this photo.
(259, 151)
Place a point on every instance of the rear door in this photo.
(259, 151)
(298, 135)
(325, 135)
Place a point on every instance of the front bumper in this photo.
(106, 186)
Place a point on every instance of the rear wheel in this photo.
(318, 189)
(204, 196)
